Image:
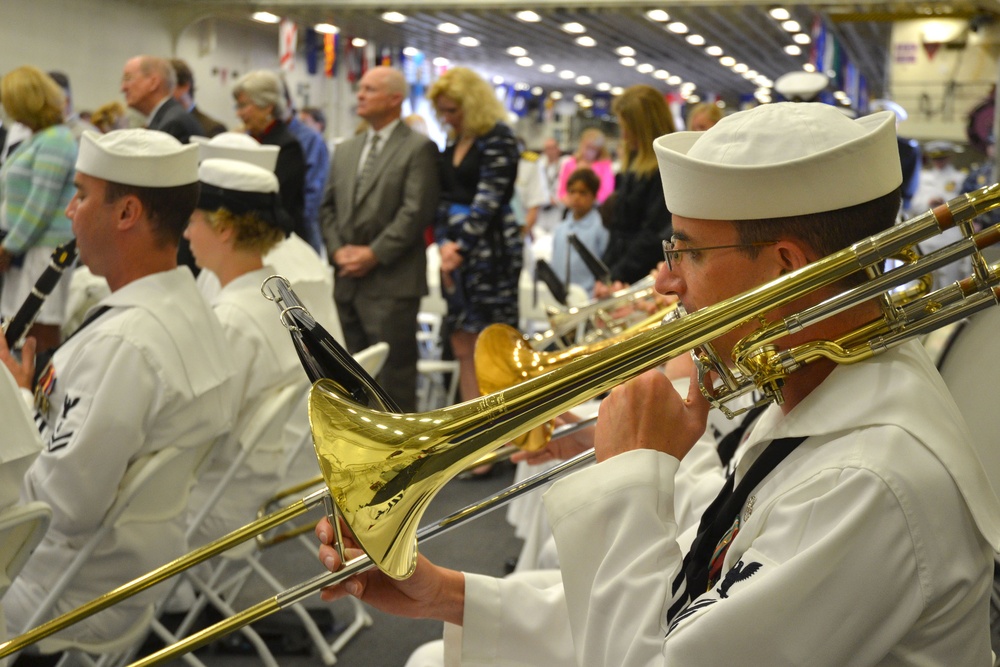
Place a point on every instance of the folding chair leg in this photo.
(326, 653)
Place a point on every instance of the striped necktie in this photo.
(368, 168)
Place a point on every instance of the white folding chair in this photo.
(265, 428)
(154, 490)
(21, 529)
(431, 368)
(373, 357)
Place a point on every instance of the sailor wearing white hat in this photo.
(238, 220)
(150, 369)
(858, 527)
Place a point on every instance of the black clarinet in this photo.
(18, 326)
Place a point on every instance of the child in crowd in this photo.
(584, 221)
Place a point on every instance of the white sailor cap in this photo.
(241, 187)
(143, 158)
(882, 104)
(801, 86)
(779, 160)
(940, 148)
(237, 146)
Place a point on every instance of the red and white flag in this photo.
(287, 35)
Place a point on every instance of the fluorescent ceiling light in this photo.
(574, 27)
(586, 40)
(265, 17)
(658, 15)
(449, 28)
(326, 28)
(394, 17)
(528, 16)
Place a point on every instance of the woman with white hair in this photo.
(260, 104)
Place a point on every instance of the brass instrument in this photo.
(505, 357)
(598, 319)
(383, 468)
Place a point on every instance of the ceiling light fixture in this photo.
(556, 95)
(537, 91)
(644, 68)
(801, 38)
(695, 40)
(677, 27)
(791, 26)
(574, 27)
(265, 17)
(449, 28)
(547, 68)
(326, 28)
(468, 41)
(517, 51)
(809, 67)
(603, 86)
(625, 51)
(674, 80)
(584, 80)
(410, 51)
(779, 13)
(567, 74)
(714, 50)
(528, 16)
(586, 40)
(617, 90)
(727, 61)
(661, 74)
(394, 17)
(739, 68)
(359, 42)
(793, 50)
(658, 15)
(627, 62)
(524, 61)
(440, 62)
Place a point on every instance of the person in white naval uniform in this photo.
(861, 527)
(239, 219)
(149, 369)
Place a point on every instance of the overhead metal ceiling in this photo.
(743, 30)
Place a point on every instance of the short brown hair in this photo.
(30, 96)
(168, 209)
(825, 232)
(587, 177)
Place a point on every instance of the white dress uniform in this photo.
(310, 276)
(20, 446)
(266, 361)
(871, 544)
(154, 371)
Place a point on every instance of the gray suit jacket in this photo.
(174, 119)
(397, 203)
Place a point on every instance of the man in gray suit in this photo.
(380, 196)
(148, 84)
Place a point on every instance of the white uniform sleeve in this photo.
(79, 470)
(512, 622)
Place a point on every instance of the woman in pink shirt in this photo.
(592, 153)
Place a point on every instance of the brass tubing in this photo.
(362, 563)
(160, 574)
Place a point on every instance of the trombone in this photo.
(383, 468)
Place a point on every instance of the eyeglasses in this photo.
(673, 254)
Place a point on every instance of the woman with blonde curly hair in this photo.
(478, 234)
(639, 219)
(110, 116)
(36, 185)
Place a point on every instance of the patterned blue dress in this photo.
(475, 212)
